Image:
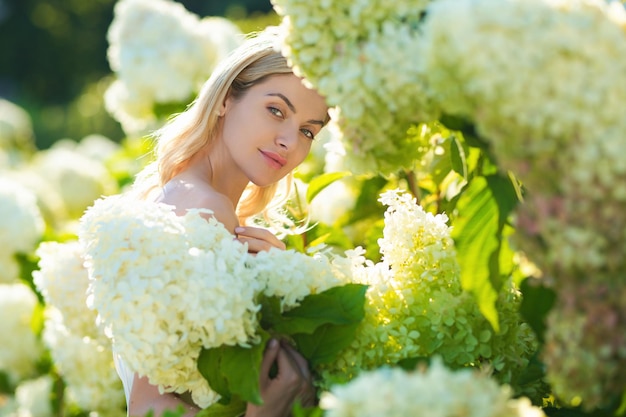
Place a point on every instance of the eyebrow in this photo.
(292, 107)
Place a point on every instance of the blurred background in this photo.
(53, 60)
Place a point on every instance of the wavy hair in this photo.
(256, 59)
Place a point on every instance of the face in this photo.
(269, 131)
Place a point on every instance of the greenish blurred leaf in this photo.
(317, 184)
(537, 301)
(233, 409)
(300, 411)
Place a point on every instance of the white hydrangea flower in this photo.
(416, 306)
(86, 365)
(34, 397)
(20, 349)
(155, 68)
(79, 183)
(49, 199)
(21, 222)
(434, 392)
(165, 286)
(62, 280)
(553, 105)
(361, 56)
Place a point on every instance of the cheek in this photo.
(304, 150)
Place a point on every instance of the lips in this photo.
(274, 160)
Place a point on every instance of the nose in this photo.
(287, 138)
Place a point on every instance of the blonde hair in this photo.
(183, 136)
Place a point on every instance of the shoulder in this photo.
(185, 195)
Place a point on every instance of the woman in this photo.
(253, 122)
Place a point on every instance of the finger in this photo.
(255, 245)
(269, 357)
(260, 234)
(298, 359)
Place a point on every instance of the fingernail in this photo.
(238, 229)
(273, 343)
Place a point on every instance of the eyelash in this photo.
(276, 112)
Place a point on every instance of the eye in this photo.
(276, 112)
(308, 133)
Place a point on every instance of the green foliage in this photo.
(320, 182)
(320, 327)
(537, 302)
(478, 230)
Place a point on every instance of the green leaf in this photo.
(337, 305)
(475, 234)
(320, 182)
(235, 408)
(325, 343)
(234, 370)
(537, 301)
(458, 157)
(209, 366)
(410, 364)
(300, 411)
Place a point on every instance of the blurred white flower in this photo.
(62, 280)
(21, 350)
(86, 365)
(434, 392)
(21, 223)
(79, 180)
(161, 54)
(34, 397)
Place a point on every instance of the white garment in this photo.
(126, 375)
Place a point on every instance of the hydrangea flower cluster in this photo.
(161, 54)
(166, 286)
(550, 109)
(20, 348)
(79, 183)
(81, 352)
(33, 398)
(361, 55)
(435, 392)
(416, 306)
(21, 225)
(62, 281)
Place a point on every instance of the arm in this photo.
(145, 398)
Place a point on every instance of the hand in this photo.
(258, 239)
(292, 382)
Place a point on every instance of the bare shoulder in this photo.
(185, 195)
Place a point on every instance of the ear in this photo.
(221, 110)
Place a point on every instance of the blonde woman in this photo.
(253, 122)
